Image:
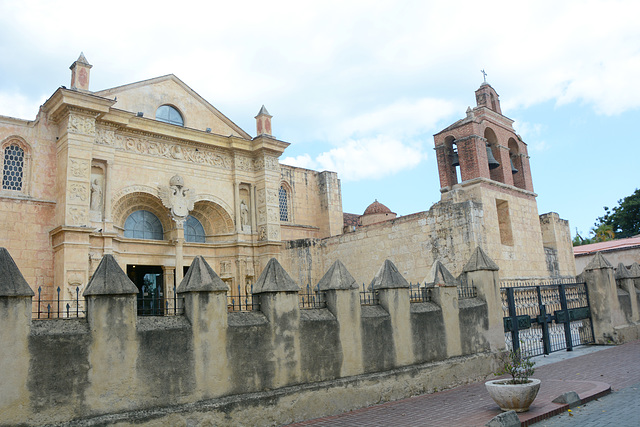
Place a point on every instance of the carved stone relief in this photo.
(272, 197)
(167, 150)
(273, 214)
(78, 215)
(81, 125)
(261, 196)
(79, 168)
(225, 268)
(262, 215)
(263, 233)
(78, 192)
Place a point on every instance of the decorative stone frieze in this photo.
(81, 125)
(79, 168)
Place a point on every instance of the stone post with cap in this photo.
(444, 292)
(111, 313)
(205, 306)
(343, 301)
(15, 321)
(393, 293)
(278, 295)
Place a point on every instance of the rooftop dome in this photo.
(376, 208)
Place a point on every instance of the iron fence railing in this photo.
(419, 293)
(521, 283)
(368, 297)
(58, 308)
(243, 301)
(465, 292)
(157, 305)
(311, 298)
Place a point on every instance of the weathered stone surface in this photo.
(622, 272)
(570, 398)
(109, 279)
(440, 276)
(480, 261)
(634, 271)
(506, 419)
(12, 283)
(598, 261)
(201, 278)
(388, 277)
(337, 277)
(274, 279)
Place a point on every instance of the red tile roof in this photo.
(607, 246)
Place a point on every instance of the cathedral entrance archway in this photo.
(149, 281)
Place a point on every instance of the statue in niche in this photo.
(96, 195)
(244, 215)
(177, 198)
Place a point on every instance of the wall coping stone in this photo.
(634, 271)
(274, 278)
(109, 279)
(598, 261)
(388, 277)
(480, 261)
(440, 276)
(622, 272)
(337, 277)
(201, 278)
(12, 282)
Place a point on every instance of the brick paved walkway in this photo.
(590, 375)
(619, 409)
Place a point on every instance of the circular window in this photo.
(168, 114)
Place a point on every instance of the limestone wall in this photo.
(115, 362)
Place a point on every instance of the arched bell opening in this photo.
(516, 164)
(495, 171)
(451, 160)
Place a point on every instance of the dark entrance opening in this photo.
(149, 281)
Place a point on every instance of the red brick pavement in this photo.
(591, 376)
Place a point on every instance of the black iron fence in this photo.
(368, 297)
(58, 308)
(419, 293)
(547, 318)
(309, 297)
(465, 292)
(156, 304)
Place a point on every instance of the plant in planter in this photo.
(519, 392)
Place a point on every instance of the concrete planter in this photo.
(517, 397)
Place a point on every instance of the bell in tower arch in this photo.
(493, 163)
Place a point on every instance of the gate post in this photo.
(603, 298)
(482, 273)
(567, 320)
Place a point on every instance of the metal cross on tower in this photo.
(484, 75)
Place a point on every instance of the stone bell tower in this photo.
(483, 145)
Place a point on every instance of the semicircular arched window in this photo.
(143, 225)
(193, 230)
(168, 114)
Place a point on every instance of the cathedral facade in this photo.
(155, 175)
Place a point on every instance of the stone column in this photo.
(343, 300)
(107, 191)
(205, 304)
(252, 211)
(15, 318)
(444, 292)
(111, 314)
(278, 295)
(393, 292)
(603, 298)
(179, 250)
(236, 206)
(626, 283)
(482, 273)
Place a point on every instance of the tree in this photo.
(624, 219)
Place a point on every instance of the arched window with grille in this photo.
(193, 230)
(283, 196)
(143, 225)
(15, 165)
(169, 114)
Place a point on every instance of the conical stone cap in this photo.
(440, 276)
(480, 261)
(109, 279)
(598, 261)
(275, 279)
(634, 271)
(337, 277)
(622, 272)
(12, 282)
(388, 277)
(201, 278)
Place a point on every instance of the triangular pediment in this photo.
(146, 96)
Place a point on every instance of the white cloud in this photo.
(301, 161)
(19, 106)
(371, 158)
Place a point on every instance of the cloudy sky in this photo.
(360, 87)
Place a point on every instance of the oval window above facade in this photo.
(168, 114)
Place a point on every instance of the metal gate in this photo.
(546, 318)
